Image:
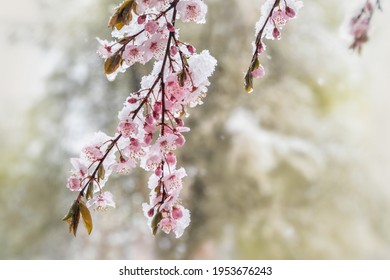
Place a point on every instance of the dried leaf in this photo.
(156, 219)
(86, 217)
(112, 63)
(122, 15)
(182, 78)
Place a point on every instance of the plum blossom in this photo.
(102, 201)
(74, 183)
(151, 126)
(107, 49)
(274, 16)
(194, 10)
(360, 25)
(92, 153)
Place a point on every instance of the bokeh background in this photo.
(298, 170)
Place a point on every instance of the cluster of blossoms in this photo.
(274, 15)
(360, 24)
(151, 124)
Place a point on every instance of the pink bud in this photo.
(259, 72)
(260, 48)
(149, 119)
(171, 158)
(177, 213)
(141, 19)
(191, 49)
(179, 121)
(180, 140)
(132, 100)
(157, 107)
(156, 115)
(276, 33)
(148, 139)
(151, 212)
(158, 171)
(170, 27)
(290, 12)
(174, 50)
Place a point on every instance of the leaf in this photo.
(122, 15)
(90, 190)
(249, 82)
(182, 78)
(112, 63)
(156, 219)
(86, 217)
(73, 217)
(101, 172)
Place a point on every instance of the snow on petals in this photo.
(194, 10)
(101, 201)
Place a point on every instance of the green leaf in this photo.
(112, 63)
(101, 172)
(73, 217)
(249, 82)
(156, 219)
(86, 217)
(90, 190)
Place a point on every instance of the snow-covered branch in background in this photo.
(274, 15)
(360, 24)
(151, 124)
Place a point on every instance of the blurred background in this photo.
(297, 170)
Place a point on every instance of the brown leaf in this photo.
(112, 63)
(86, 217)
(122, 15)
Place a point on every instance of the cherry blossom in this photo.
(151, 125)
(274, 16)
(360, 25)
(102, 201)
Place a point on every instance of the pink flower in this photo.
(192, 11)
(279, 17)
(167, 225)
(174, 179)
(128, 128)
(259, 72)
(153, 162)
(170, 159)
(155, 47)
(166, 143)
(183, 222)
(101, 201)
(151, 26)
(125, 166)
(79, 168)
(106, 48)
(92, 153)
(133, 54)
(74, 183)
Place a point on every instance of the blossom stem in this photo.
(93, 175)
(260, 33)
